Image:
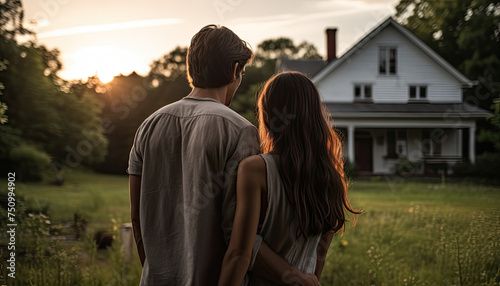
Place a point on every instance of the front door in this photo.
(364, 152)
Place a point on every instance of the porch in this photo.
(417, 150)
(430, 137)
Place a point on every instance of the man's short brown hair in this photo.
(211, 57)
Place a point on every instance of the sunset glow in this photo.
(125, 36)
(103, 61)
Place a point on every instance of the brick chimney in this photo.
(331, 44)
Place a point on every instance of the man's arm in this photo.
(135, 199)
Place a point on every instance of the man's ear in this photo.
(235, 76)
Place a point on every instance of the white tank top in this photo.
(279, 227)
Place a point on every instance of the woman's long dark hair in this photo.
(295, 124)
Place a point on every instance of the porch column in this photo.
(350, 144)
(472, 143)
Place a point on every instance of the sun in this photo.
(105, 76)
(105, 62)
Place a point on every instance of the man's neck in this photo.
(218, 94)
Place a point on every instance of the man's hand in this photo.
(274, 268)
(310, 280)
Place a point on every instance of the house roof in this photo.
(307, 67)
(421, 110)
(321, 74)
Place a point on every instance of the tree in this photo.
(464, 32)
(171, 65)
(268, 51)
(46, 121)
(467, 34)
(3, 106)
(272, 49)
(11, 20)
(492, 135)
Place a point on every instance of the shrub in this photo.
(485, 169)
(350, 169)
(29, 163)
(487, 166)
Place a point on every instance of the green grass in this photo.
(413, 232)
(97, 197)
(102, 200)
(418, 233)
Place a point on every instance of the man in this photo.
(183, 167)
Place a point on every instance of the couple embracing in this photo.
(214, 201)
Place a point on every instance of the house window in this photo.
(418, 92)
(363, 92)
(432, 140)
(388, 61)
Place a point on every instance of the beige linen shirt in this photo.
(187, 154)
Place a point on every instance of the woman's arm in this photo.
(251, 181)
(322, 250)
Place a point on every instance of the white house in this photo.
(394, 98)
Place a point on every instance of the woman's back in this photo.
(305, 185)
(279, 226)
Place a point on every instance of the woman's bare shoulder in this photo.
(253, 163)
(252, 169)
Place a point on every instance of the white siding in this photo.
(413, 67)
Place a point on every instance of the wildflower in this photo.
(410, 210)
(344, 242)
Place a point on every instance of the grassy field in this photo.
(411, 233)
(418, 233)
(96, 197)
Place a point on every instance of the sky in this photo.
(109, 37)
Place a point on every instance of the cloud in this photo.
(109, 27)
(360, 4)
(263, 23)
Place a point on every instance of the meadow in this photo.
(412, 232)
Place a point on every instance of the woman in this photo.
(296, 190)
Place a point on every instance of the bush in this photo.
(463, 170)
(351, 170)
(29, 163)
(485, 169)
(487, 166)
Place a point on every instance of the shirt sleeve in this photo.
(247, 145)
(135, 157)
